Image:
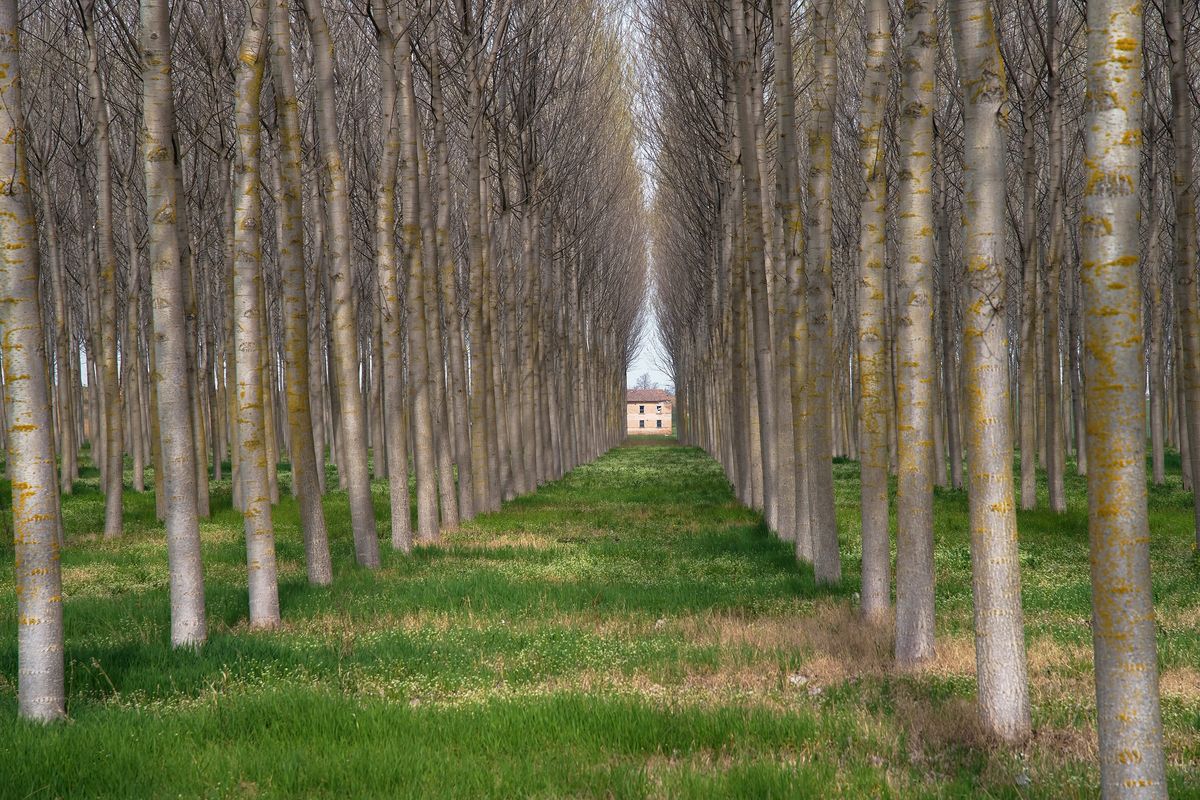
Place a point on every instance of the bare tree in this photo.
(248, 311)
(999, 629)
(1128, 715)
(914, 342)
(41, 694)
(189, 626)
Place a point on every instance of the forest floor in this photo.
(627, 631)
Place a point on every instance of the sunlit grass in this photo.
(626, 631)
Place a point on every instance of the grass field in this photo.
(627, 631)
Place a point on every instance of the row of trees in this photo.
(397, 234)
(838, 222)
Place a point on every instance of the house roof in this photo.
(647, 396)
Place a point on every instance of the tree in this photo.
(41, 694)
(1183, 186)
(995, 566)
(1056, 450)
(759, 324)
(914, 340)
(189, 625)
(248, 311)
(827, 564)
(352, 416)
(1128, 715)
(872, 250)
(304, 456)
(387, 262)
(112, 464)
(418, 350)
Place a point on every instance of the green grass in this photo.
(627, 631)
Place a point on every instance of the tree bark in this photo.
(418, 350)
(306, 483)
(827, 564)
(29, 420)
(872, 360)
(1056, 448)
(247, 243)
(107, 288)
(352, 417)
(756, 273)
(1187, 304)
(67, 443)
(996, 577)
(189, 626)
(1128, 715)
(386, 264)
(914, 342)
(448, 281)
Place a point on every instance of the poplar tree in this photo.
(872, 374)
(914, 340)
(248, 312)
(995, 565)
(352, 411)
(1128, 717)
(41, 694)
(189, 626)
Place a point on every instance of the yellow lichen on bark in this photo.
(1129, 719)
(31, 456)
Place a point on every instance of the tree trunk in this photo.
(827, 564)
(418, 349)
(68, 445)
(29, 427)
(107, 288)
(386, 264)
(914, 342)
(1128, 715)
(996, 576)
(1157, 387)
(949, 304)
(130, 360)
(1056, 448)
(1027, 402)
(188, 259)
(1187, 304)
(188, 620)
(786, 247)
(872, 360)
(352, 417)
(256, 501)
(305, 481)
(448, 280)
(476, 223)
(1075, 355)
(433, 339)
(741, 17)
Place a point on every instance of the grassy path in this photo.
(627, 631)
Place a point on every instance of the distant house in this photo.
(648, 411)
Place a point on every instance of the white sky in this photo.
(650, 356)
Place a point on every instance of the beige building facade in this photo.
(648, 411)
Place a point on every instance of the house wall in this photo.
(634, 415)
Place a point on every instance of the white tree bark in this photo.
(29, 421)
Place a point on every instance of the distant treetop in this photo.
(647, 396)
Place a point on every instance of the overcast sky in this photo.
(650, 357)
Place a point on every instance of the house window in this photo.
(659, 421)
(658, 408)
(641, 423)
(641, 409)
